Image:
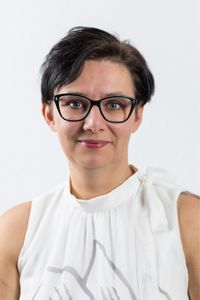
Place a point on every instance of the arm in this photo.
(13, 226)
(189, 223)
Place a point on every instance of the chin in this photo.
(93, 164)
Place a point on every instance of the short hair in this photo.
(66, 59)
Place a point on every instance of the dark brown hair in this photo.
(65, 61)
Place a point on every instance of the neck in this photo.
(90, 183)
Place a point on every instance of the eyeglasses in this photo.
(114, 109)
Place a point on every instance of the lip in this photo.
(93, 143)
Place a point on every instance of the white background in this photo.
(166, 32)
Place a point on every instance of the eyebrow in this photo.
(117, 93)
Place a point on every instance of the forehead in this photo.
(100, 78)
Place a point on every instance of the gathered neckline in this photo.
(107, 201)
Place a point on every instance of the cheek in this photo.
(122, 133)
(67, 132)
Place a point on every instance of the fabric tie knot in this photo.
(157, 214)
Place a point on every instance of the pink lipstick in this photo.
(93, 143)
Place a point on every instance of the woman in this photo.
(110, 231)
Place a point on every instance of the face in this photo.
(94, 142)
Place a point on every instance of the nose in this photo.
(94, 121)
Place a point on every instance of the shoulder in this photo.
(189, 222)
(13, 225)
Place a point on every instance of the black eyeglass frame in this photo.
(57, 97)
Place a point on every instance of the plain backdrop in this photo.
(166, 32)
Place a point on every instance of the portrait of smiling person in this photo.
(109, 230)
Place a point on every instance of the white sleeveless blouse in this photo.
(124, 245)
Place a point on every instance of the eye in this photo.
(68, 102)
(114, 105)
(75, 104)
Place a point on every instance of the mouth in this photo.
(93, 143)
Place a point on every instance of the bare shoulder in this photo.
(189, 223)
(189, 219)
(13, 225)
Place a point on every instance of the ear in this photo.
(138, 117)
(47, 112)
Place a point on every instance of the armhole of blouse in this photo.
(24, 250)
(178, 190)
(38, 206)
(178, 229)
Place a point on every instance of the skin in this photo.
(189, 222)
(108, 166)
(103, 165)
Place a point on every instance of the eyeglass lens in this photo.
(114, 109)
